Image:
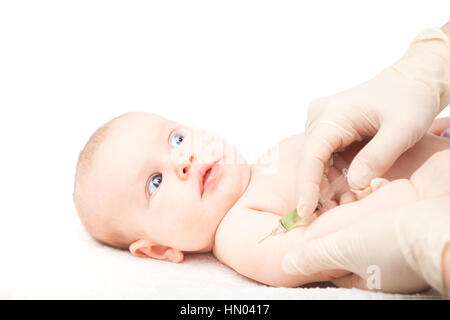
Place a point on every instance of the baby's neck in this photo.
(246, 177)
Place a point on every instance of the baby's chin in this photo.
(231, 184)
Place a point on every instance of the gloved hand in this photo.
(441, 127)
(396, 108)
(392, 250)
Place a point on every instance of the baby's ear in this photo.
(150, 249)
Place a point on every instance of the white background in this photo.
(244, 69)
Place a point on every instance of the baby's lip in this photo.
(202, 172)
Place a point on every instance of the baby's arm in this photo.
(237, 246)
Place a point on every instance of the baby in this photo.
(162, 190)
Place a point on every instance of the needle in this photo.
(279, 229)
(264, 238)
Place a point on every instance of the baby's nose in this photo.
(183, 168)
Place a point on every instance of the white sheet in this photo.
(67, 263)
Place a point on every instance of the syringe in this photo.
(292, 219)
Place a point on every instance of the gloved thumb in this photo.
(380, 153)
(352, 281)
(318, 255)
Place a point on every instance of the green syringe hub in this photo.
(292, 220)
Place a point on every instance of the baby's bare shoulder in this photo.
(272, 184)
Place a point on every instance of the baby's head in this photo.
(155, 186)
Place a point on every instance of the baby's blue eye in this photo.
(176, 139)
(154, 183)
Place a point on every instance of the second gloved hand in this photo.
(393, 250)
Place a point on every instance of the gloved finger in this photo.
(439, 126)
(378, 155)
(326, 196)
(343, 216)
(338, 179)
(347, 197)
(319, 255)
(313, 114)
(343, 193)
(351, 281)
(318, 146)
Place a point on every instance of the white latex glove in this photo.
(393, 250)
(396, 108)
(441, 127)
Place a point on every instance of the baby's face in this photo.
(166, 182)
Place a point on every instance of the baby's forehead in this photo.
(135, 131)
(138, 120)
(138, 127)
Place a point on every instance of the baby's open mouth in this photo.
(207, 176)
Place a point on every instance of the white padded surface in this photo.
(81, 268)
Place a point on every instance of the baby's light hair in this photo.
(100, 228)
